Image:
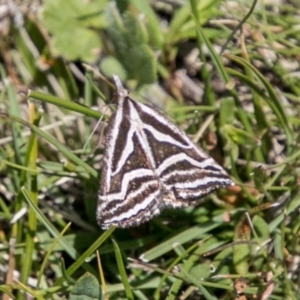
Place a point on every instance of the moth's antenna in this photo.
(121, 92)
(92, 133)
(119, 87)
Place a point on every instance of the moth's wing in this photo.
(129, 188)
(150, 164)
(185, 171)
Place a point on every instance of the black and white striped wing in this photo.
(129, 189)
(150, 164)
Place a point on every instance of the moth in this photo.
(149, 164)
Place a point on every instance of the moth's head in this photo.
(120, 91)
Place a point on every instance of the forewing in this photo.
(129, 188)
(185, 172)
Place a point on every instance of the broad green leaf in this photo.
(110, 66)
(201, 271)
(86, 287)
(151, 22)
(73, 25)
(131, 42)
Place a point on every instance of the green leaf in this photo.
(241, 137)
(151, 22)
(198, 283)
(82, 44)
(227, 111)
(272, 100)
(130, 39)
(261, 227)
(259, 178)
(182, 26)
(122, 271)
(180, 238)
(82, 19)
(86, 287)
(110, 66)
(201, 271)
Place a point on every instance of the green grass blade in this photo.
(273, 102)
(51, 229)
(31, 181)
(203, 290)
(82, 258)
(65, 151)
(51, 248)
(181, 238)
(122, 271)
(64, 104)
